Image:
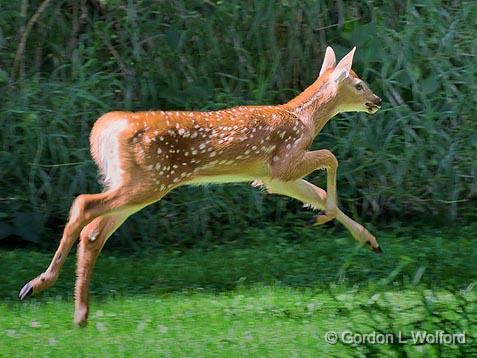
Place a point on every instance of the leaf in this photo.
(429, 85)
(173, 37)
(361, 34)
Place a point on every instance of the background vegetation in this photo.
(229, 270)
(64, 63)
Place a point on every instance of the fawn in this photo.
(144, 155)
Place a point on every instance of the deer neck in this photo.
(316, 105)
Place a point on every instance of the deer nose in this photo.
(378, 101)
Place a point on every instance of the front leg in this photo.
(297, 168)
(316, 197)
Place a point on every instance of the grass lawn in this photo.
(262, 296)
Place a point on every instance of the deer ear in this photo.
(341, 70)
(329, 61)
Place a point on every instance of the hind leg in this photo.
(85, 208)
(70, 234)
(92, 239)
(77, 220)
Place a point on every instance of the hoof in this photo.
(37, 285)
(378, 250)
(26, 291)
(81, 317)
(81, 324)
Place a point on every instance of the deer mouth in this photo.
(372, 108)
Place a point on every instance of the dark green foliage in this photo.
(81, 59)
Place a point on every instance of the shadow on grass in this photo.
(437, 258)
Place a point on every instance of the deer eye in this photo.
(359, 87)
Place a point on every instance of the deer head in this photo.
(353, 94)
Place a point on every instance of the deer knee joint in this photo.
(82, 208)
(331, 160)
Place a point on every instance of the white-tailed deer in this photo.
(144, 155)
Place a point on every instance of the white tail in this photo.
(144, 155)
(105, 151)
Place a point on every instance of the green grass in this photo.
(263, 295)
(259, 321)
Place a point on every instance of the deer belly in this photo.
(221, 179)
(230, 174)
